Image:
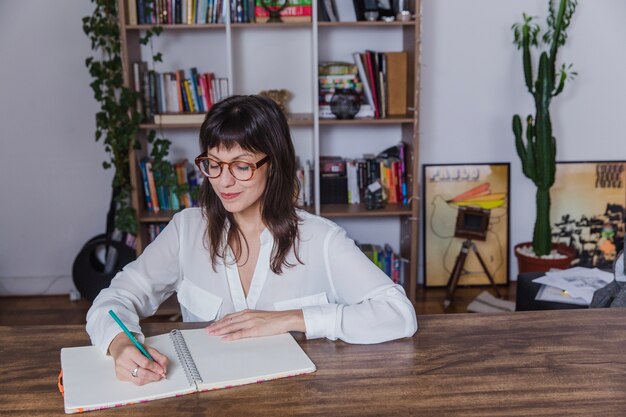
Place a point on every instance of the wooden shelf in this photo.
(163, 216)
(154, 126)
(294, 119)
(284, 25)
(377, 23)
(359, 210)
(300, 119)
(326, 210)
(222, 26)
(241, 72)
(209, 26)
(196, 26)
(369, 121)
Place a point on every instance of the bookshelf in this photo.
(261, 56)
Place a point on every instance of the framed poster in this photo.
(445, 189)
(587, 213)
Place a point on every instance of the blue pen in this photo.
(130, 336)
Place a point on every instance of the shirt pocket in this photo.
(200, 303)
(297, 303)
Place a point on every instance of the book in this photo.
(304, 9)
(363, 76)
(296, 11)
(132, 12)
(152, 187)
(198, 362)
(137, 87)
(146, 186)
(396, 83)
(369, 69)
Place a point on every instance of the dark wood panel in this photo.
(549, 363)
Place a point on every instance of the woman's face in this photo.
(239, 197)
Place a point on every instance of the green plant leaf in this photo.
(538, 152)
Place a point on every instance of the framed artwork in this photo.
(446, 188)
(587, 213)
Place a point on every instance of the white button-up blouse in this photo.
(342, 294)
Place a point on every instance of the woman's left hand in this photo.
(253, 323)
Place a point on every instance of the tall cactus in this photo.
(538, 151)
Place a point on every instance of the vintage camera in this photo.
(472, 223)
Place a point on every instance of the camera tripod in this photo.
(458, 268)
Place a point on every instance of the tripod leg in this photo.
(456, 273)
(482, 263)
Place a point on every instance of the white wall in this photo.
(472, 83)
(54, 193)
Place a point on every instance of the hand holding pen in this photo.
(134, 362)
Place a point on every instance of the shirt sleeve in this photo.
(138, 290)
(369, 307)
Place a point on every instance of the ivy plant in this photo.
(117, 121)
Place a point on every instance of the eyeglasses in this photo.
(240, 170)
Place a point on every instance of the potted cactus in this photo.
(536, 146)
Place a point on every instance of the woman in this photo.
(248, 259)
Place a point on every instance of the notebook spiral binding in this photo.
(189, 366)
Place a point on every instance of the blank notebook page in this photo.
(90, 382)
(222, 363)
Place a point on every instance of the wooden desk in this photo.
(556, 363)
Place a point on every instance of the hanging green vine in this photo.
(160, 145)
(117, 121)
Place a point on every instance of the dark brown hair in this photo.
(256, 124)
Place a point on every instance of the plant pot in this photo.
(527, 263)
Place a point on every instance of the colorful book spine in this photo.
(192, 75)
(193, 183)
(152, 186)
(206, 100)
(146, 186)
(189, 96)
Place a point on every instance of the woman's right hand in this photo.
(128, 358)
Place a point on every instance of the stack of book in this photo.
(384, 77)
(386, 259)
(296, 11)
(158, 197)
(387, 169)
(242, 11)
(175, 12)
(304, 174)
(337, 75)
(165, 96)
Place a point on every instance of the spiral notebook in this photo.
(198, 362)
